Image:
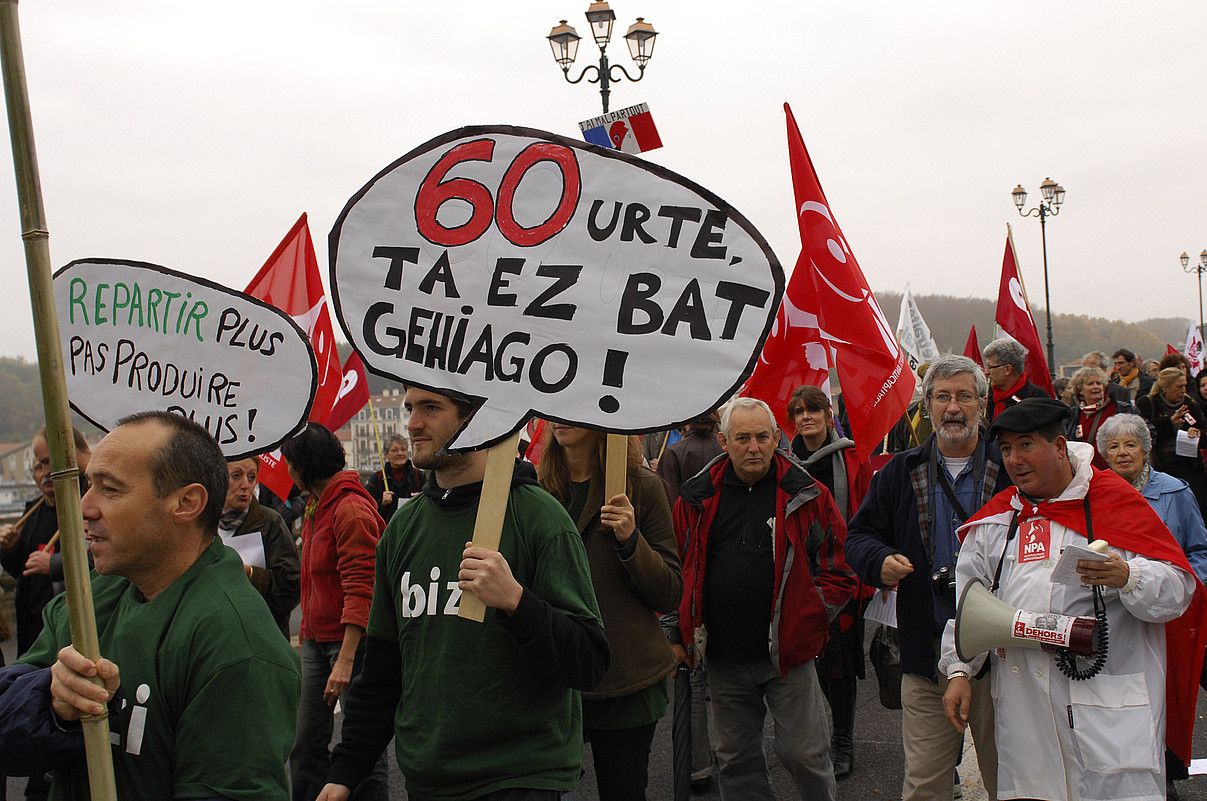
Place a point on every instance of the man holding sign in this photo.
(474, 709)
(191, 653)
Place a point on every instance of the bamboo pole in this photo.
(64, 469)
(385, 482)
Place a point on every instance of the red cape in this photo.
(1125, 520)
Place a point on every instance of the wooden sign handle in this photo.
(616, 468)
(492, 506)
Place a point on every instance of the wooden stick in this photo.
(616, 469)
(385, 482)
(65, 471)
(50, 543)
(29, 512)
(492, 507)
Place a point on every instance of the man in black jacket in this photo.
(474, 710)
(904, 536)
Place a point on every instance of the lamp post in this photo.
(1053, 195)
(564, 41)
(1199, 268)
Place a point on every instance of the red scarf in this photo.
(1124, 519)
(1000, 396)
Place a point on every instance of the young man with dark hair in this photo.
(190, 651)
(476, 710)
(1130, 374)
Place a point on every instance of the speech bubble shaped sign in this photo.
(546, 276)
(139, 336)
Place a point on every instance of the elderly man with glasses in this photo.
(1004, 360)
(904, 536)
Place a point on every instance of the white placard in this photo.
(139, 336)
(1186, 445)
(550, 277)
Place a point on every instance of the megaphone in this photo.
(984, 622)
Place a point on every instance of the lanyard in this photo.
(997, 574)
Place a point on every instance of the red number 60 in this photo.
(435, 190)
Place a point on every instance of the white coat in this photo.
(1064, 740)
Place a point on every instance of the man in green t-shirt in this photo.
(192, 656)
(476, 710)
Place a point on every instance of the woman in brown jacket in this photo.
(634, 560)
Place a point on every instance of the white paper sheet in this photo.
(1198, 767)
(250, 548)
(1185, 445)
(1065, 571)
(882, 608)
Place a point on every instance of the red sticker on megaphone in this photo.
(1035, 540)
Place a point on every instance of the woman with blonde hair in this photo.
(1094, 407)
(635, 569)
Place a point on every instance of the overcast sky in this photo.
(192, 135)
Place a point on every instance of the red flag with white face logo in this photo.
(877, 384)
(353, 393)
(290, 281)
(1014, 316)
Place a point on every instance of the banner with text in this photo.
(139, 336)
(549, 277)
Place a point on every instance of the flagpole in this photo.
(64, 469)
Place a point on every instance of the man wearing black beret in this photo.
(1099, 736)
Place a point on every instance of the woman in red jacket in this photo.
(340, 531)
(831, 460)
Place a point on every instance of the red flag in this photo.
(1014, 316)
(972, 349)
(536, 440)
(1170, 349)
(290, 281)
(353, 393)
(794, 354)
(877, 383)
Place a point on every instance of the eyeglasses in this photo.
(962, 398)
(989, 367)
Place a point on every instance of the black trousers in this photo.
(622, 761)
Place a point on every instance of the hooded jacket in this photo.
(813, 581)
(339, 539)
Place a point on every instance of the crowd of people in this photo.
(736, 551)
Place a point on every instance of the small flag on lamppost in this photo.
(630, 130)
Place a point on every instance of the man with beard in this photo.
(477, 711)
(904, 536)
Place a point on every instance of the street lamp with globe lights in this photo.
(1199, 268)
(563, 39)
(1053, 195)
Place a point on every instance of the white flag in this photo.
(1194, 349)
(914, 334)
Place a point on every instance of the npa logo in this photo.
(419, 599)
(1035, 541)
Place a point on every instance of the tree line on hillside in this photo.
(1072, 334)
(947, 316)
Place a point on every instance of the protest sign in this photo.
(545, 276)
(139, 336)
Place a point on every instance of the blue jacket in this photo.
(895, 519)
(1175, 504)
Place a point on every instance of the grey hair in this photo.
(744, 403)
(390, 440)
(950, 366)
(1099, 357)
(1006, 351)
(1123, 424)
(1085, 374)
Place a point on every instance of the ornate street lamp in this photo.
(563, 39)
(1053, 195)
(1199, 268)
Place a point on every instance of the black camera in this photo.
(943, 582)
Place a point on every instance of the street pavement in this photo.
(878, 760)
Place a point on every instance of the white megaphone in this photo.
(984, 622)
